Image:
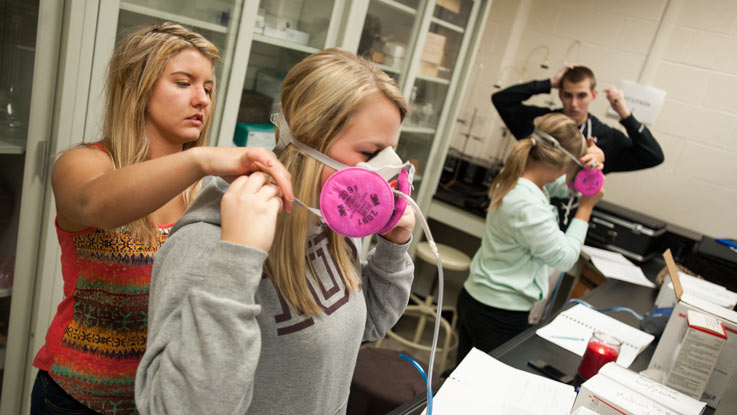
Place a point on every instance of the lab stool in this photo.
(453, 260)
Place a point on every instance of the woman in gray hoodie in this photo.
(257, 311)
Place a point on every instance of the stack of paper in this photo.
(483, 385)
(713, 293)
(572, 330)
(616, 390)
(614, 265)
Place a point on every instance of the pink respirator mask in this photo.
(362, 200)
(588, 180)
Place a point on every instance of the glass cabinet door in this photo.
(216, 20)
(389, 31)
(441, 48)
(285, 32)
(213, 19)
(18, 23)
(17, 46)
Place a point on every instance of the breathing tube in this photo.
(436, 330)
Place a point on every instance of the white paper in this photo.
(633, 382)
(483, 385)
(615, 265)
(642, 100)
(707, 290)
(573, 328)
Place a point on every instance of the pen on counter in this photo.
(727, 242)
(578, 339)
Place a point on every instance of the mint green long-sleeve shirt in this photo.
(520, 238)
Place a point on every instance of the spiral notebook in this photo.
(572, 329)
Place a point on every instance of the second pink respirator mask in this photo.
(588, 181)
(358, 201)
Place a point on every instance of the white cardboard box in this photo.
(616, 391)
(665, 352)
(434, 50)
(697, 354)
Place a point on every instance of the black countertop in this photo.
(527, 345)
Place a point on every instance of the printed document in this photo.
(615, 265)
(483, 385)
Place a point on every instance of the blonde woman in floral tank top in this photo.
(116, 200)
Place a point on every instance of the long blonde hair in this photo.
(318, 98)
(562, 128)
(136, 65)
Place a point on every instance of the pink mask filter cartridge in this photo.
(356, 202)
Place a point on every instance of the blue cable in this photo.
(604, 310)
(424, 375)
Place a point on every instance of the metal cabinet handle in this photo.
(42, 160)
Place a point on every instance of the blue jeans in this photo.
(48, 398)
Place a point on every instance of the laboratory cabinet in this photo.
(426, 46)
(29, 47)
(54, 59)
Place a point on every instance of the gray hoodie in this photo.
(221, 340)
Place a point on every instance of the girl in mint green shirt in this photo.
(508, 273)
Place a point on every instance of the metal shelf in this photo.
(12, 145)
(398, 6)
(284, 44)
(134, 8)
(417, 130)
(389, 69)
(449, 26)
(433, 79)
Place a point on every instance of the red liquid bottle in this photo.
(602, 349)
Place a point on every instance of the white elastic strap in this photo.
(586, 126)
(549, 138)
(313, 210)
(567, 209)
(286, 138)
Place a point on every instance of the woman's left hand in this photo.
(402, 232)
(594, 154)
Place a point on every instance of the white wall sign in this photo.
(642, 100)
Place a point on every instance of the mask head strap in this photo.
(547, 138)
(286, 138)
